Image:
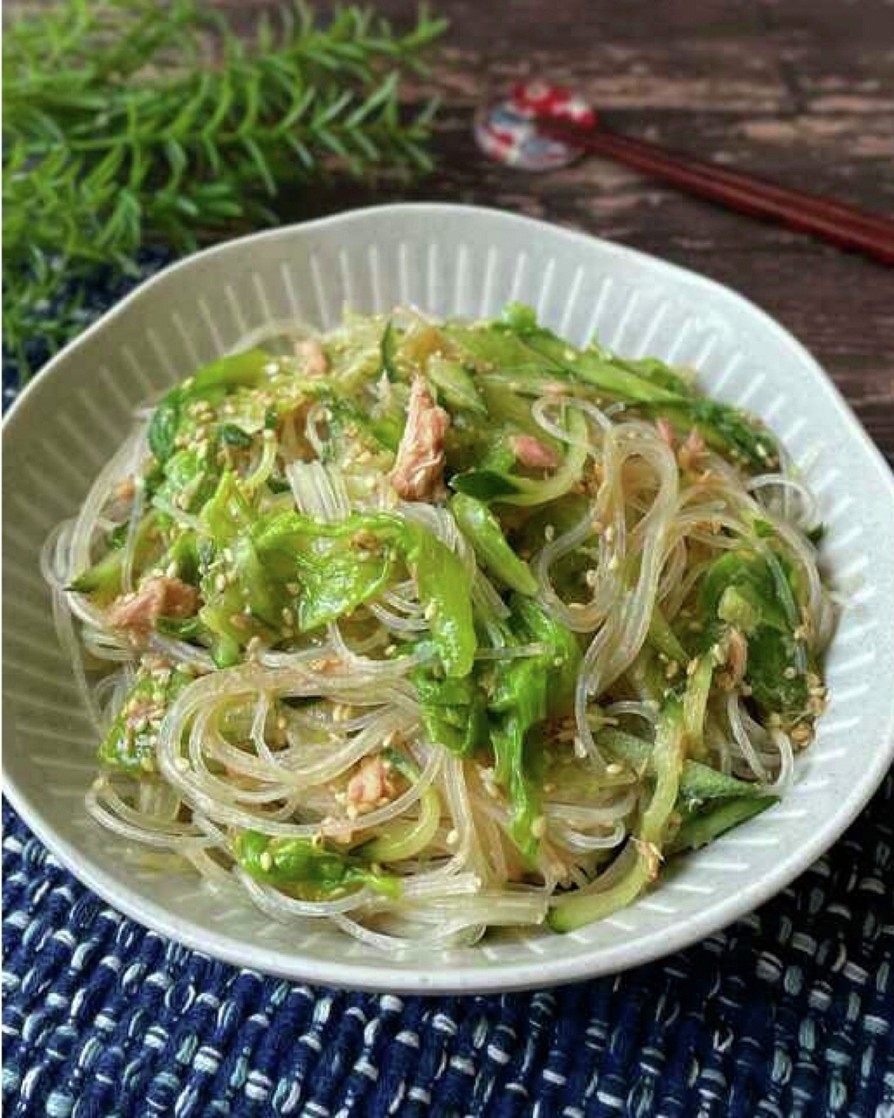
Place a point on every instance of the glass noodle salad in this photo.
(426, 627)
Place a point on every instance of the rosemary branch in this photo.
(141, 121)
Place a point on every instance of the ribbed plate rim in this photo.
(530, 973)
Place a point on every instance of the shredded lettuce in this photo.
(355, 529)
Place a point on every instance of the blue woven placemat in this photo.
(786, 1014)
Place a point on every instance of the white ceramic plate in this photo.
(447, 260)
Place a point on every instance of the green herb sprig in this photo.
(135, 121)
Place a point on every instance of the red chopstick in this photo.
(843, 225)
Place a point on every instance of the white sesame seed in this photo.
(266, 861)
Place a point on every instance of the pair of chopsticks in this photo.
(843, 225)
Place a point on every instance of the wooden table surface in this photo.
(799, 90)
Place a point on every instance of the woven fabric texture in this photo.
(786, 1014)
